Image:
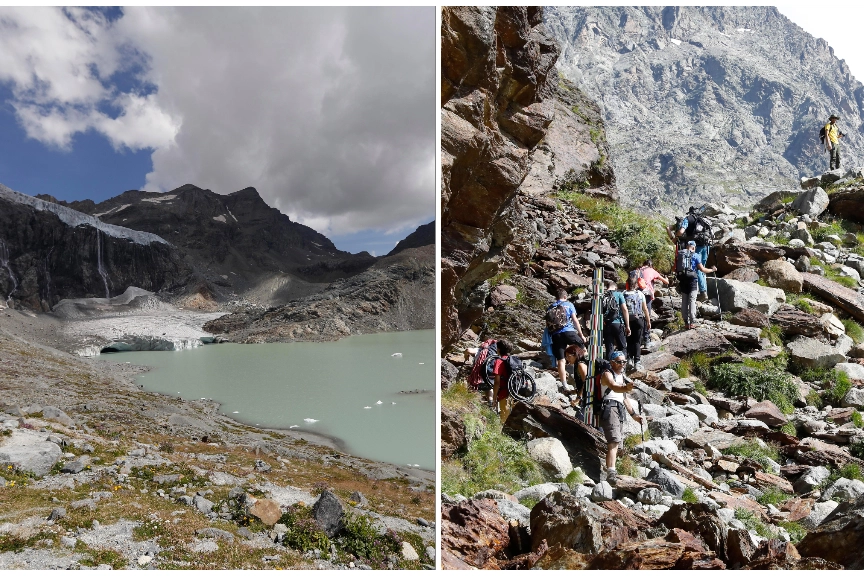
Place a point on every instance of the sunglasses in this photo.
(617, 362)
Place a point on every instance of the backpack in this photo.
(611, 308)
(600, 366)
(634, 306)
(698, 229)
(556, 317)
(636, 281)
(684, 265)
(481, 377)
(822, 134)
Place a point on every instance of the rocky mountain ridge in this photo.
(707, 104)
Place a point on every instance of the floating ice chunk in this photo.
(421, 363)
(396, 355)
(235, 412)
(294, 426)
(310, 420)
(367, 407)
(393, 403)
(378, 402)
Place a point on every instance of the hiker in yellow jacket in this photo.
(832, 141)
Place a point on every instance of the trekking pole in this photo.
(641, 420)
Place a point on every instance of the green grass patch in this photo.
(575, 478)
(500, 278)
(689, 496)
(627, 466)
(754, 450)
(751, 522)
(814, 399)
(638, 236)
(796, 531)
(634, 440)
(857, 419)
(789, 428)
(773, 333)
(303, 532)
(766, 384)
(96, 557)
(833, 229)
(856, 449)
(840, 386)
(773, 496)
(677, 323)
(458, 395)
(361, 538)
(854, 330)
(699, 387)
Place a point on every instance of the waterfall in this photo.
(99, 265)
(4, 263)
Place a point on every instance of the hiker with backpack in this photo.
(563, 327)
(616, 320)
(615, 387)
(830, 135)
(687, 263)
(502, 375)
(694, 228)
(575, 354)
(646, 276)
(640, 320)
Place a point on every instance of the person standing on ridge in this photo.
(693, 227)
(571, 333)
(615, 401)
(832, 142)
(502, 375)
(687, 263)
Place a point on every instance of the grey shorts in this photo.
(610, 421)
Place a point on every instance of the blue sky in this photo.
(329, 113)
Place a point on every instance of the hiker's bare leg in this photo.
(562, 371)
(611, 455)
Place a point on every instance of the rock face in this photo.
(839, 538)
(847, 205)
(51, 252)
(735, 296)
(551, 455)
(473, 533)
(678, 84)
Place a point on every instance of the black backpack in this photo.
(556, 317)
(698, 229)
(822, 134)
(684, 264)
(634, 306)
(611, 308)
(600, 366)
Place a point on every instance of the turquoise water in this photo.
(283, 385)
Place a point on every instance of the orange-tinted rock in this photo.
(267, 511)
(474, 532)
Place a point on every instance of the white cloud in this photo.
(329, 113)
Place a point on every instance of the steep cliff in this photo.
(707, 103)
(513, 131)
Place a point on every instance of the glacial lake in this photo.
(351, 388)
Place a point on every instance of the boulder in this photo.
(654, 554)
(794, 322)
(768, 413)
(502, 294)
(452, 433)
(844, 298)
(735, 296)
(705, 437)
(514, 511)
(266, 510)
(820, 511)
(701, 520)
(740, 547)
(745, 274)
(538, 491)
(29, 451)
(844, 489)
(667, 482)
(831, 325)
(854, 371)
(700, 340)
(733, 255)
(839, 538)
(812, 353)
(675, 425)
(847, 205)
(53, 413)
(781, 274)
(449, 373)
(650, 496)
(774, 200)
(705, 412)
(602, 492)
(656, 446)
(474, 533)
(854, 398)
(551, 455)
(811, 479)
(329, 512)
(578, 524)
(750, 318)
(811, 202)
(585, 445)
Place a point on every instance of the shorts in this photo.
(561, 340)
(610, 421)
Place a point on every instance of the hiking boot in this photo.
(640, 367)
(702, 297)
(611, 476)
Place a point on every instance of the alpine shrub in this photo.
(767, 384)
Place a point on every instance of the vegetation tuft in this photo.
(303, 532)
(854, 330)
(773, 496)
(689, 496)
(767, 384)
(839, 385)
(751, 522)
(758, 451)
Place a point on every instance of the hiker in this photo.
(687, 262)
(650, 275)
(693, 227)
(502, 375)
(615, 386)
(640, 321)
(575, 355)
(570, 333)
(616, 320)
(831, 139)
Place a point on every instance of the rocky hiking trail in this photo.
(95, 473)
(752, 456)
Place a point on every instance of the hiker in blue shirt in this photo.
(571, 333)
(687, 287)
